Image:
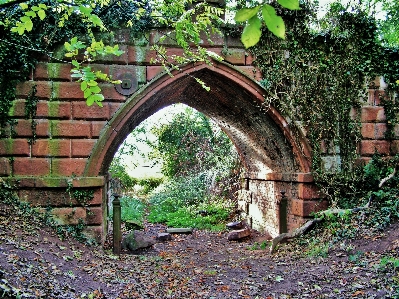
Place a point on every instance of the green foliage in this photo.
(355, 257)
(26, 23)
(262, 246)
(389, 25)
(86, 76)
(82, 195)
(316, 78)
(148, 184)
(274, 23)
(200, 167)
(31, 30)
(187, 217)
(118, 172)
(179, 192)
(132, 209)
(382, 211)
(389, 261)
(190, 143)
(189, 22)
(179, 201)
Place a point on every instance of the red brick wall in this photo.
(67, 131)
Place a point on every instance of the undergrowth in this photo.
(383, 209)
(186, 202)
(40, 216)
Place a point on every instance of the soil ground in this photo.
(35, 263)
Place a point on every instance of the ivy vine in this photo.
(19, 53)
(318, 77)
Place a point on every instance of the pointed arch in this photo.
(266, 142)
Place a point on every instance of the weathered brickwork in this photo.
(76, 143)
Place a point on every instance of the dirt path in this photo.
(34, 263)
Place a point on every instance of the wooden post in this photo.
(283, 213)
(116, 217)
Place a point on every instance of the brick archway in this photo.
(274, 157)
(264, 140)
(73, 144)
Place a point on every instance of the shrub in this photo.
(118, 172)
(149, 184)
(178, 202)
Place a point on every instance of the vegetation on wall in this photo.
(318, 78)
(33, 29)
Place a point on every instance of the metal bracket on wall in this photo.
(128, 84)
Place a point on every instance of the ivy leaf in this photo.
(273, 22)
(30, 14)
(85, 10)
(20, 30)
(90, 100)
(96, 20)
(252, 32)
(279, 278)
(28, 24)
(92, 83)
(245, 14)
(68, 46)
(75, 63)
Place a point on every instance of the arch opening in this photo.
(197, 171)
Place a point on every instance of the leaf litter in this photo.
(35, 263)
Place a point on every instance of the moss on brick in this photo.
(142, 40)
(54, 70)
(54, 147)
(59, 53)
(53, 109)
(140, 73)
(11, 112)
(55, 91)
(141, 53)
(8, 146)
(53, 127)
(53, 182)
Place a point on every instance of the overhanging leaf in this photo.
(28, 25)
(42, 14)
(83, 86)
(290, 4)
(90, 100)
(87, 93)
(98, 98)
(245, 14)
(252, 33)
(273, 22)
(95, 89)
